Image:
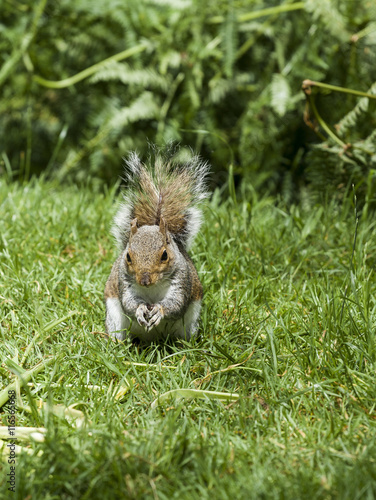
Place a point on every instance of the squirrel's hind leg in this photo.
(116, 321)
(188, 325)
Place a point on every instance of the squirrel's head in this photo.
(149, 255)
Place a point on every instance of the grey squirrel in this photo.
(154, 290)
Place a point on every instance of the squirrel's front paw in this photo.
(155, 316)
(142, 315)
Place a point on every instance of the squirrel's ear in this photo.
(163, 229)
(134, 226)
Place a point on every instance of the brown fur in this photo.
(154, 279)
(196, 286)
(112, 285)
(170, 200)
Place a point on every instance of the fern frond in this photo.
(350, 119)
(125, 74)
(368, 33)
(171, 59)
(368, 146)
(219, 88)
(325, 12)
(229, 41)
(144, 107)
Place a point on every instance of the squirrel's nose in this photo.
(145, 279)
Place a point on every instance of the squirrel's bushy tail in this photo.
(167, 188)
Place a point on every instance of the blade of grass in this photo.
(23, 433)
(24, 379)
(194, 394)
(52, 324)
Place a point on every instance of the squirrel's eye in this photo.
(164, 255)
(129, 260)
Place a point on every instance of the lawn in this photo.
(287, 339)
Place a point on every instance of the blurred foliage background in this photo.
(84, 82)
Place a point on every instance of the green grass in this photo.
(288, 325)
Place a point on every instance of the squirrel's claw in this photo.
(149, 318)
(142, 314)
(155, 316)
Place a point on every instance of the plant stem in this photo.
(322, 123)
(311, 83)
(67, 82)
(261, 13)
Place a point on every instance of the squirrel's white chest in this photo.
(152, 294)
